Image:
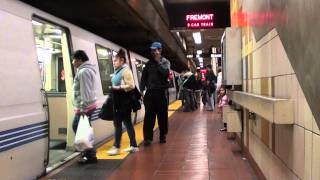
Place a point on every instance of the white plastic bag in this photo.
(84, 137)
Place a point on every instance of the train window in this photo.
(53, 52)
(139, 66)
(105, 67)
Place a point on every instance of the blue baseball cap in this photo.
(156, 45)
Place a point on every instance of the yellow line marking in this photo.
(125, 142)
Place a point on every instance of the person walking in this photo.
(211, 79)
(155, 80)
(122, 86)
(84, 97)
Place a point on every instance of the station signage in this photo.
(199, 21)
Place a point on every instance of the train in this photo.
(36, 76)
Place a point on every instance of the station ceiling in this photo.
(135, 24)
(121, 22)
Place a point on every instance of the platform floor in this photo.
(195, 150)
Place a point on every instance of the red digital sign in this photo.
(199, 20)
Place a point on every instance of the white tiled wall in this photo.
(297, 147)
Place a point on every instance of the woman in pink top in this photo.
(223, 100)
(222, 97)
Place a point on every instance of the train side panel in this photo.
(23, 125)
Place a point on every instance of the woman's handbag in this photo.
(135, 100)
(106, 112)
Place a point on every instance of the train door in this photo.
(53, 52)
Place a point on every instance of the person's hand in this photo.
(116, 88)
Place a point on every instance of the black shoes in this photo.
(147, 142)
(85, 160)
(162, 140)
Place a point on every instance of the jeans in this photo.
(89, 153)
(124, 117)
(210, 101)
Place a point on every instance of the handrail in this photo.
(275, 110)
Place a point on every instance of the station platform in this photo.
(195, 150)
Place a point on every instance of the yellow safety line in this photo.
(125, 142)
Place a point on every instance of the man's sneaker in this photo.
(162, 139)
(131, 149)
(85, 160)
(113, 151)
(147, 142)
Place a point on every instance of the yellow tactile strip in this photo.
(125, 142)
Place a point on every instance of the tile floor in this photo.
(195, 150)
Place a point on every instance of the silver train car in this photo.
(36, 78)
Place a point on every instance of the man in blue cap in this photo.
(155, 80)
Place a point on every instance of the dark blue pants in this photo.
(156, 105)
(124, 117)
(89, 153)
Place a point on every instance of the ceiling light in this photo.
(200, 59)
(189, 56)
(102, 52)
(55, 36)
(198, 56)
(216, 56)
(57, 31)
(36, 23)
(197, 37)
(214, 50)
(199, 51)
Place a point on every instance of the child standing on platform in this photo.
(222, 101)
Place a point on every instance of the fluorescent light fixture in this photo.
(189, 56)
(197, 37)
(200, 59)
(198, 56)
(55, 36)
(103, 52)
(216, 55)
(36, 23)
(199, 51)
(58, 31)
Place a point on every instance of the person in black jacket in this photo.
(211, 79)
(155, 79)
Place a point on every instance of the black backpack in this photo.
(106, 112)
(135, 100)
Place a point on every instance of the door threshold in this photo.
(62, 162)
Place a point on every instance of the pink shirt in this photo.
(223, 101)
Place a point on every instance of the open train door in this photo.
(52, 43)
